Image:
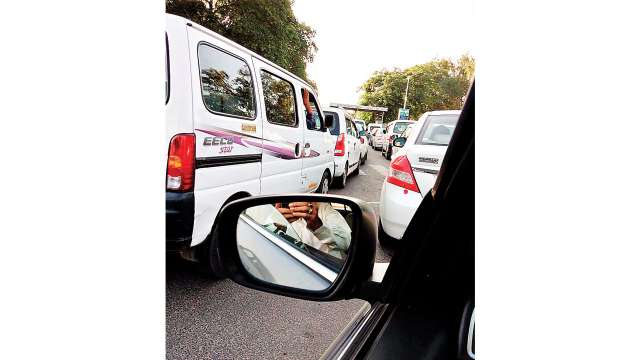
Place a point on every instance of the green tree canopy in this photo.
(439, 84)
(267, 27)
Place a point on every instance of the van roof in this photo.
(187, 22)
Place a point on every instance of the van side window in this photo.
(227, 87)
(311, 111)
(279, 100)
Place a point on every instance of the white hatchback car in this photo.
(370, 128)
(346, 155)
(377, 137)
(413, 171)
(391, 131)
(362, 135)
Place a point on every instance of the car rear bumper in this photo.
(397, 209)
(179, 220)
(338, 165)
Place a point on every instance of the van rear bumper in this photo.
(179, 220)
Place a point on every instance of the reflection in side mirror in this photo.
(302, 245)
(328, 121)
(399, 141)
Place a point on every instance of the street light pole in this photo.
(406, 91)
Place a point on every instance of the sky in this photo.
(349, 36)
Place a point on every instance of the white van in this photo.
(347, 154)
(237, 125)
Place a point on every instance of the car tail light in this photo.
(400, 174)
(181, 162)
(361, 140)
(339, 150)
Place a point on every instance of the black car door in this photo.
(425, 306)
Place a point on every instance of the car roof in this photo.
(187, 22)
(401, 121)
(441, 112)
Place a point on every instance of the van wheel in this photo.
(357, 170)
(324, 184)
(388, 154)
(364, 159)
(208, 262)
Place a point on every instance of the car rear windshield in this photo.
(398, 128)
(437, 130)
(335, 128)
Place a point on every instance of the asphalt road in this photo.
(218, 319)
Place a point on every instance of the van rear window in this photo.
(335, 128)
(227, 86)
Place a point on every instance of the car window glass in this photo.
(437, 130)
(335, 127)
(279, 100)
(407, 132)
(227, 87)
(311, 111)
(398, 128)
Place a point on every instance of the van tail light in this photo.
(181, 162)
(339, 150)
(400, 174)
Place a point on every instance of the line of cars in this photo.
(239, 125)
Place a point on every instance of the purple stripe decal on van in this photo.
(284, 151)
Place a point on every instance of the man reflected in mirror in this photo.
(319, 225)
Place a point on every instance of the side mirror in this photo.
(314, 247)
(328, 121)
(384, 131)
(399, 141)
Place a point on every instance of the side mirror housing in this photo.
(328, 121)
(399, 141)
(259, 248)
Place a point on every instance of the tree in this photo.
(439, 84)
(267, 27)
